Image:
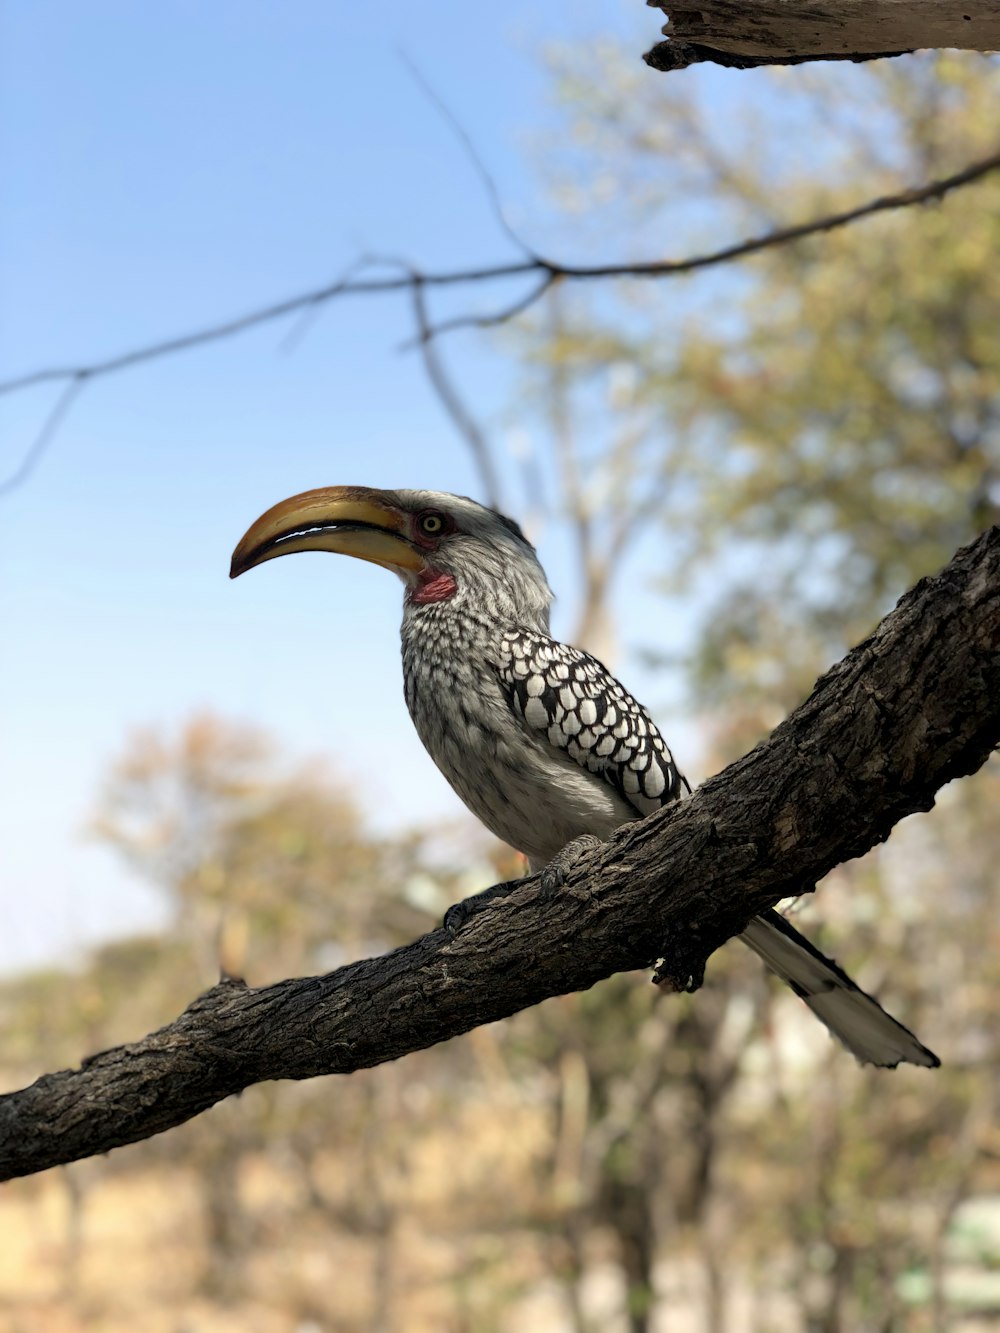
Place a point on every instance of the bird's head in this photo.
(445, 548)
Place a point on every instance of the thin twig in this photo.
(664, 268)
(310, 314)
(465, 423)
(548, 270)
(501, 316)
(471, 152)
(265, 315)
(70, 392)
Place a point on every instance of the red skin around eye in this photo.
(432, 584)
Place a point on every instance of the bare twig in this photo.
(67, 396)
(465, 423)
(471, 152)
(658, 268)
(490, 321)
(310, 313)
(546, 271)
(496, 272)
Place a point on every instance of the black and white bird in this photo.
(538, 739)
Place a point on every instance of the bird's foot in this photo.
(682, 971)
(459, 913)
(553, 877)
(557, 872)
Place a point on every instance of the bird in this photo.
(541, 742)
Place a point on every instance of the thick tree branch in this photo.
(911, 708)
(747, 33)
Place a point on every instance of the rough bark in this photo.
(908, 710)
(746, 33)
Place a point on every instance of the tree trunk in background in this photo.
(627, 1210)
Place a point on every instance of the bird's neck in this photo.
(479, 592)
(446, 608)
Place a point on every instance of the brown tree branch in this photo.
(747, 33)
(908, 710)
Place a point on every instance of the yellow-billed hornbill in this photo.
(539, 740)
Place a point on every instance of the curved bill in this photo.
(350, 520)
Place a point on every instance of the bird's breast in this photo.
(528, 794)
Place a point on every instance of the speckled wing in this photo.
(574, 701)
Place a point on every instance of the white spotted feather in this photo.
(581, 708)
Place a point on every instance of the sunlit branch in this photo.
(907, 711)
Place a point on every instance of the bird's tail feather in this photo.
(854, 1018)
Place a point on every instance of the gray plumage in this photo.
(544, 745)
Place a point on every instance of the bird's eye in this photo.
(432, 524)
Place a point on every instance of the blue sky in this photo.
(166, 166)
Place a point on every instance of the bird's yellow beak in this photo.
(352, 520)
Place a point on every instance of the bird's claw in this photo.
(553, 877)
(557, 872)
(459, 913)
(681, 976)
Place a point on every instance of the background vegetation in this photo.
(792, 448)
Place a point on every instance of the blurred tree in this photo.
(823, 432)
(812, 436)
(830, 419)
(260, 866)
(269, 873)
